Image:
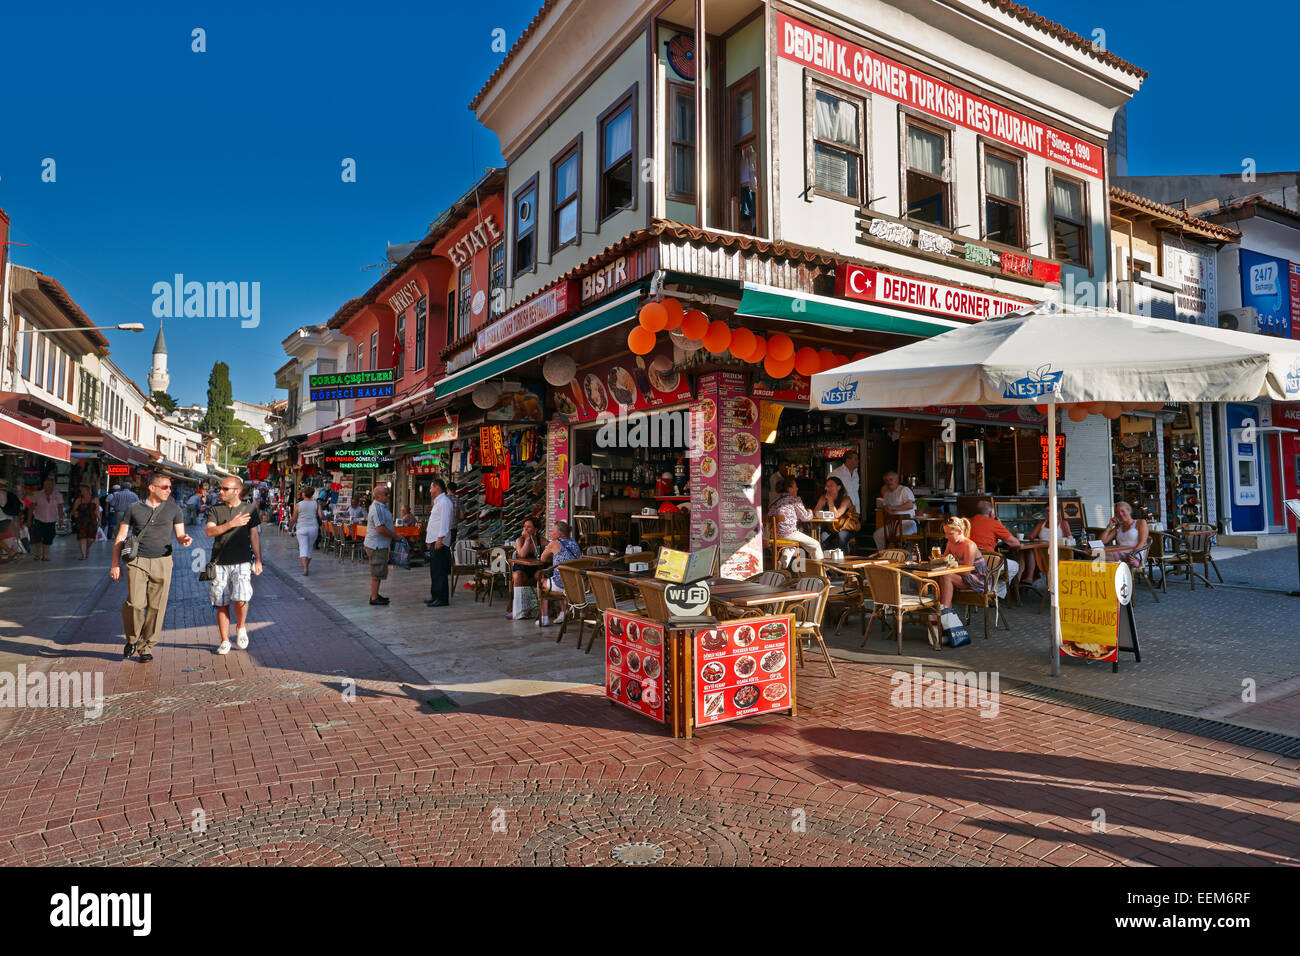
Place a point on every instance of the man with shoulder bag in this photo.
(143, 543)
(236, 558)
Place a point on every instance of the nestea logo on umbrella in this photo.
(841, 392)
(1041, 381)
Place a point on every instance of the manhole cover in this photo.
(191, 670)
(637, 854)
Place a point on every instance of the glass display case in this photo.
(1021, 513)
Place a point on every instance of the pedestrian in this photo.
(438, 537)
(380, 535)
(11, 509)
(85, 519)
(47, 509)
(149, 574)
(453, 492)
(121, 499)
(236, 557)
(306, 527)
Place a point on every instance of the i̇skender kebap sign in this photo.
(377, 383)
(352, 457)
(877, 74)
(887, 288)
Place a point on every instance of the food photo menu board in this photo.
(742, 669)
(557, 473)
(634, 663)
(627, 383)
(725, 506)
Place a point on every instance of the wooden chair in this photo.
(770, 579)
(585, 527)
(602, 592)
(891, 554)
(578, 604)
(989, 596)
(782, 548)
(887, 597)
(809, 615)
(1192, 547)
(495, 571)
(675, 530)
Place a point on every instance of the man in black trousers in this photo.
(438, 538)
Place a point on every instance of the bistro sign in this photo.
(377, 383)
(536, 312)
(887, 288)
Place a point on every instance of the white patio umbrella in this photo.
(1059, 355)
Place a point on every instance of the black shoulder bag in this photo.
(131, 544)
(209, 572)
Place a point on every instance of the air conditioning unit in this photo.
(1242, 320)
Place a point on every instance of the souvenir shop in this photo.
(1158, 466)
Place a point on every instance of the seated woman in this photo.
(1127, 532)
(846, 521)
(967, 552)
(789, 509)
(530, 544)
(561, 549)
(1043, 532)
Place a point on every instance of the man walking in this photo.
(47, 508)
(237, 556)
(438, 537)
(149, 575)
(380, 535)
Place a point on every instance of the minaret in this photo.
(158, 377)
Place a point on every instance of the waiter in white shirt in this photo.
(438, 538)
(849, 477)
(897, 500)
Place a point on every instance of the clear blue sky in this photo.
(225, 165)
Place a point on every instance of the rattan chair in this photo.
(578, 604)
(885, 584)
(585, 527)
(1192, 547)
(808, 617)
(770, 579)
(602, 592)
(987, 598)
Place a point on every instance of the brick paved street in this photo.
(282, 766)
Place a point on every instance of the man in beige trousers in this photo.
(149, 576)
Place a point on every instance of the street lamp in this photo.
(121, 327)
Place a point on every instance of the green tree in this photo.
(243, 439)
(220, 419)
(165, 401)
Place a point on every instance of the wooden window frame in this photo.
(1085, 244)
(374, 350)
(627, 100)
(421, 331)
(496, 282)
(399, 335)
(465, 297)
(451, 316)
(573, 149)
(675, 89)
(735, 144)
(529, 184)
(986, 147)
(813, 83)
(906, 118)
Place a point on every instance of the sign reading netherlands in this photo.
(1090, 597)
(353, 457)
(377, 383)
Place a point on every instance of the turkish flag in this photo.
(398, 347)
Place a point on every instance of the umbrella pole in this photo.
(1054, 526)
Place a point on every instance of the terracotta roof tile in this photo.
(55, 291)
(1262, 203)
(1204, 226)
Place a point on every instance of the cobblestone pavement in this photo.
(268, 756)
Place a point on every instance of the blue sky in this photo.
(225, 165)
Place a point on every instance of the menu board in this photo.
(634, 663)
(725, 506)
(1090, 602)
(624, 384)
(557, 472)
(682, 566)
(742, 669)
(793, 388)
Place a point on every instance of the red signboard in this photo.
(1060, 456)
(624, 384)
(793, 388)
(441, 430)
(634, 663)
(117, 469)
(536, 312)
(888, 288)
(742, 669)
(1295, 301)
(870, 71)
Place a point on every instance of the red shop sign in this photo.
(634, 663)
(888, 288)
(742, 670)
(536, 312)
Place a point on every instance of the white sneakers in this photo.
(223, 647)
(241, 639)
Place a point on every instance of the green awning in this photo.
(762, 301)
(596, 319)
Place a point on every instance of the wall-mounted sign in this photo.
(440, 430)
(870, 71)
(1029, 267)
(605, 279)
(1193, 268)
(405, 297)
(888, 288)
(478, 238)
(1295, 300)
(462, 359)
(353, 457)
(117, 469)
(1060, 456)
(377, 383)
(1265, 285)
(536, 312)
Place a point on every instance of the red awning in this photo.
(19, 435)
(357, 426)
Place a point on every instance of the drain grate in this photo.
(637, 854)
(1270, 742)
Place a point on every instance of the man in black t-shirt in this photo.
(149, 575)
(237, 554)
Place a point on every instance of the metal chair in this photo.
(808, 618)
(496, 571)
(886, 586)
(1192, 547)
(987, 598)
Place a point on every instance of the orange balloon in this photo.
(825, 359)
(777, 368)
(675, 314)
(806, 361)
(1077, 413)
(742, 344)
(718, 337)
(1091, 407)
(760, 350)
(653, 316)
(780, 347)
(1112, 410)
(641, 340)
(859, 356)
(1041, 409)
(694, 324)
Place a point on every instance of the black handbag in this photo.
(131, 544)
(209, 572)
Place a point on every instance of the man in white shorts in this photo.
(237, 553)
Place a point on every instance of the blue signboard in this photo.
(1265, 286)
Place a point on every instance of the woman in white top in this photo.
(306, 526)
(1129, 533)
